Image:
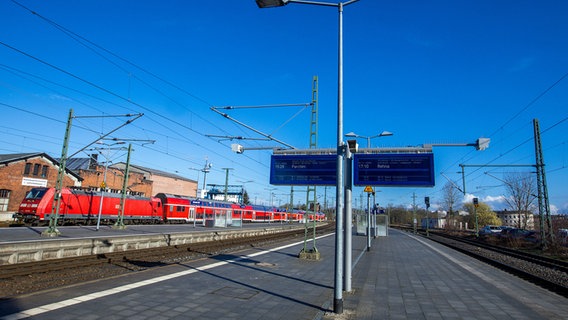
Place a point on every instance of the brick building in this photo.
(21, 172)
(93, 174)
(142, 181)
(161, 181)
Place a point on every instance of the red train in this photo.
(79, 206)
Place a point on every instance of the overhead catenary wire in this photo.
(79, 38)
(84, 41)
(516, 115)
(111, 93)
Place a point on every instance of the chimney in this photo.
(93, 161)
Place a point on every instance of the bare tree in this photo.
(521, 189)
(450, 198)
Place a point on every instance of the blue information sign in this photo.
(394, 169)
(306, 170)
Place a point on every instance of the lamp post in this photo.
(338, 292)
(197, 184)
(270, 194)
(243, 190)
(382, 134)
(205, 170)
(104, 183)
(348, 207)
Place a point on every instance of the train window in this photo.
(36, 193)
(180, 209)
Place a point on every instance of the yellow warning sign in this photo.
(369, 189)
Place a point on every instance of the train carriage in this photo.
(203, 211)
(177, 209)
(83, 207)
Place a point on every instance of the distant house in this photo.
(433, 223)
(524, 220)
(20, 172)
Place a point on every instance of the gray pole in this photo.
(119, 224)
(374, 217)
(291, 199)
(339, 204)
(227, 182)
(348, 221)
(338, 292)
(205, 170)
(368, 221)
(102, 195)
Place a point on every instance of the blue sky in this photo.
(428, 71)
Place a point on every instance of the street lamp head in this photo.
(271, 3)
(482, 143)
(382, 134)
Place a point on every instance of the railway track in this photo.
(549, 273)
(30, 277)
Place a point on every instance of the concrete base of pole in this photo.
(338, 306)
(50, 233)
(310, 255)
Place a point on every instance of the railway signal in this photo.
(475, 206)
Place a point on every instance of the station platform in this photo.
(402, 276)
(15, 234)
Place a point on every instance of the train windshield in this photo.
(35, 194)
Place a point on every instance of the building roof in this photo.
(13, 157)
(78, 163)
(7, 158)
(151, 171)
(74, 164)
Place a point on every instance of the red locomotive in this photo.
(79, 206)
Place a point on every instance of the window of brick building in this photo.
(28, 169)
(37, 166)
(4, 199)
(44, 172)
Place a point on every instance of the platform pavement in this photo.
(409, 277)
(401, 277)
(78, 232)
